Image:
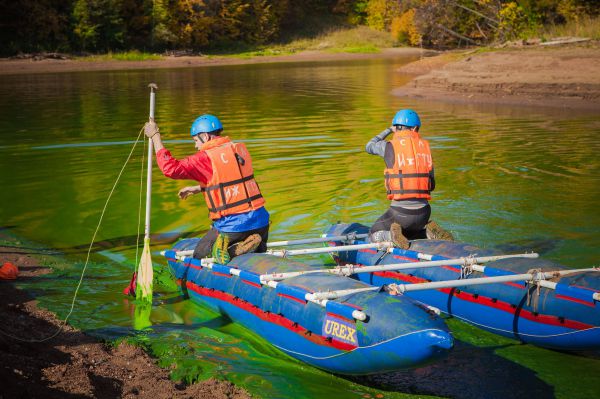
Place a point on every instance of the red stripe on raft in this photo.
(352, 305)
(451, 268)
(269, 317)
(584, 288)
(252, 283)
(292, 298)
(404, 258)
(516, 285)
(193, 266)
(222, 274)
(486, 301)
(576, 300)
(337, 316)
(369, 251)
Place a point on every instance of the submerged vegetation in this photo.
(271, 26)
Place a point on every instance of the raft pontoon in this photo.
(361, 329)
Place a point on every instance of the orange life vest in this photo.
(232, 188)
(409, 177)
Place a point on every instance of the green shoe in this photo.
(397, 237)
(220, 249)
(436, 232)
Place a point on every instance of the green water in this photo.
(508, 177)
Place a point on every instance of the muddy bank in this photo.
(73, 364)
(20, 66)
(565, 76)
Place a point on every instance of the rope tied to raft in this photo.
(392, 289)
(347, 270)
(538, 276)
(351, 237)
(466, 269)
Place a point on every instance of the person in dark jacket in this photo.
(409, 181)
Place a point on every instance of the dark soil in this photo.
(73, 364)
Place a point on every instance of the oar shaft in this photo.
(272, 244)
(342, 248)
(345, 237)
(533, 277)
(434, 263)
(339, 293)
(350, 269)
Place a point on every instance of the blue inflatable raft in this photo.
(396, 332)
(564, 317)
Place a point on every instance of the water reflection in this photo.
(508, 177)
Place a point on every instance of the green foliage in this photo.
(109, 25)
(514, 22)
(404, 29)
(98, 24)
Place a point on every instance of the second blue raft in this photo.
(564, 318)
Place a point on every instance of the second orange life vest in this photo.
(410, 175)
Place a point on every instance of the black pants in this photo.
(413, 221)
(204, 247)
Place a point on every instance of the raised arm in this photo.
(376, 146)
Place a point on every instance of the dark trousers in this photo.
(204, 247)
(413, 221)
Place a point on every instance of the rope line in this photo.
(64, 322)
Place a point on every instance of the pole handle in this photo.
(152, 87)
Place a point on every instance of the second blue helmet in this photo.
(206, 124)
(406, 117)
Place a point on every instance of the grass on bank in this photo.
(585, 27)
(133, 55)
(357, 39)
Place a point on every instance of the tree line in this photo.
(158, 25)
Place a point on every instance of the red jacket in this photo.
(195, 167)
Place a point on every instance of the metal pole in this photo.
(530, 277)
(153, 87)
(446, 262)
(309, 251)
(351, 269)
(345, 237)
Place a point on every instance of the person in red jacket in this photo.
(223, 169)
(409, 181)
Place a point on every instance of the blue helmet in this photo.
(407, 117)
(206, 124)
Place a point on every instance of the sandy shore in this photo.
(566, 76)
(563, 76)
(19, 66)
(73, 364)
